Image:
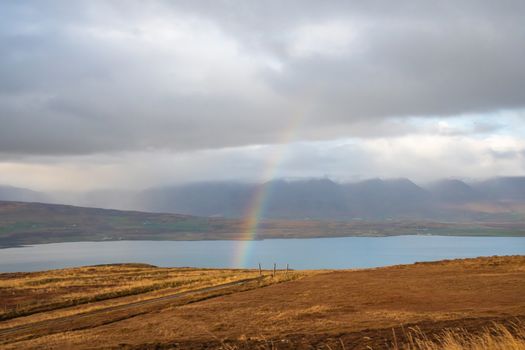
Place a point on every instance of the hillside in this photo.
(26, 223)
(345, 309)
(497, 199)
(33, 223)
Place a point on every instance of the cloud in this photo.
(135, 94)
(101, 77)
(321, 39)
(422, 158)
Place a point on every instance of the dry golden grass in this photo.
(54, 322)
(359, 309)
(497, 337)
(26, 293)
(41, 296)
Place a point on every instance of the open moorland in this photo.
(34, 223)
(144, 307)
(28, 293)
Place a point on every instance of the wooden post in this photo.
(274, 268)
(260, 270)
(286, 268)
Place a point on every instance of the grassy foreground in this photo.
(454, 305)
(496, 337)
(24, 294)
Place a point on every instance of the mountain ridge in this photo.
(501, 198)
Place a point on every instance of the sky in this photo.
(133, 94)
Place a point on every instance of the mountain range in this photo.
(501, 198)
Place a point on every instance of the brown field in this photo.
(409, 306)
(26, 293)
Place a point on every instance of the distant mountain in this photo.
(502, 188)
(323, 199)
(384, 199)
(500, 198)
(454, 191)
(317, 198)
(221, 199)
(303, 199)
(9, 193)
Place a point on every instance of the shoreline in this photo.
(167, 239)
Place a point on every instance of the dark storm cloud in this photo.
(94, 77)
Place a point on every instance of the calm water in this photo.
(347, 252)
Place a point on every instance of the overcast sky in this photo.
(134, 94)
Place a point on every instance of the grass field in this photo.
(400, 307)
(27, 293)
(495, 337)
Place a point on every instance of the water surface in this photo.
(316, 253)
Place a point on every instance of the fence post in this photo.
(274, 268)
(260, 270)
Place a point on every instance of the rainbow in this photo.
(258, 201)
